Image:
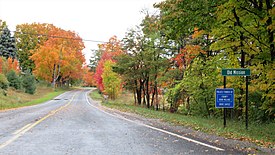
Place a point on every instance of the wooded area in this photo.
(178, 54)
(41, 52)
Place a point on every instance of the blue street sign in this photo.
(224, 98)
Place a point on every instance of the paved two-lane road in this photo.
(72, 124)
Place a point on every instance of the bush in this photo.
(29, 84)
(4, 84)
(14, 80)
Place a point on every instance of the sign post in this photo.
(224, 99)
(237, 72)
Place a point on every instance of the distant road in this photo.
(72, 124)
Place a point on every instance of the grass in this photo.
(17, 98)
(260, 134)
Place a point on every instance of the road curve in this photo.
(72, 124)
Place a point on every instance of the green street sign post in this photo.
(237, 72)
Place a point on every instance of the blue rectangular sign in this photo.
(224, 98)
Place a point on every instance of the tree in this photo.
(245, 32)
(143, 62)
(7, 44)
(108, 52)
(14, 80)
(88, 79)
(4, 84)
(29, 83)
(111, 80)
(28, 38)
(59, 59)
(7, 65)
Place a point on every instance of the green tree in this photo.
(14, 80)
(7, 44)
(4, 84)
(28, 38)
(144, 61)
(111, 80)
(3, 24)
(245, 32)
(29, 83)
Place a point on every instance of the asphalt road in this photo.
(73, 124)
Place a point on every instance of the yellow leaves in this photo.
(197, 33)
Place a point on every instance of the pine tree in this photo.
(7, 44)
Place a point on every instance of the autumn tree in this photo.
(111, 80)
(108, 51)
(59, 59)
(28, 38)
(245, 32)
(88, 79)
(143, 62)
(9, 64)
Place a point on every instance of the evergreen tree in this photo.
(13, 79)
(7, 44)
(28, 83)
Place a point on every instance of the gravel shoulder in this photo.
(244, 146)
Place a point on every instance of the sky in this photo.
(92, 19)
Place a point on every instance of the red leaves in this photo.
(109, 51)
(186, 55)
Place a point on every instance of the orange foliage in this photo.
(8, 65)
(197, 33)
(13, 65)
(59, 57)
(88, 77)
(186, 55)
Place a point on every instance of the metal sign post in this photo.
(224, 99)
(236, 72)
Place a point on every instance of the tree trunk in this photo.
(147, 92)
(153, 97)
(138, 92)
(206, 106)
(157, 98)
(135, 97)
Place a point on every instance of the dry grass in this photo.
(17, 98)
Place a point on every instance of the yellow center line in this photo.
(18, 131)
(27, 127)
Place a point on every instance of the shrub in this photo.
(4, 84)
(29, 84)
(13, 79)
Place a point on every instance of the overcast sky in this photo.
(91, 19)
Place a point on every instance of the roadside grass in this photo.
(17, 98)
(260, 134)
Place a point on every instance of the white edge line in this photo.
(157, 129)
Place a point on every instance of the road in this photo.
(73, 124)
